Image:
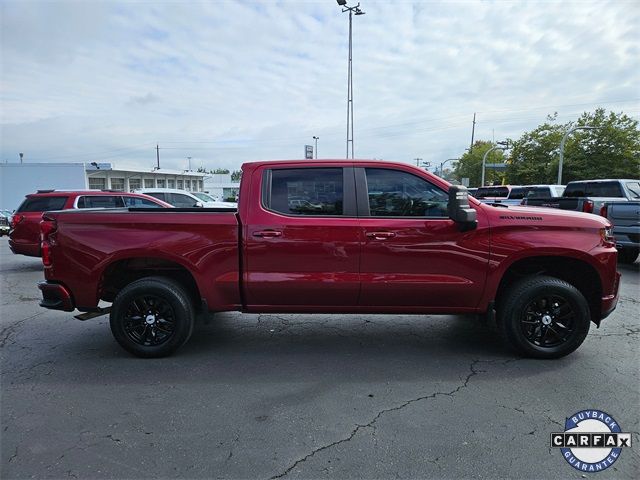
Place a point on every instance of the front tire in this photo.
(152, 317)
(544, 317)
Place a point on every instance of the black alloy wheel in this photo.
(543, 317)
(152, 317)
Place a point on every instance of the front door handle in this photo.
(380, 235)
(268, 233)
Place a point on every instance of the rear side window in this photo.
(605, 189)
(42, 204)
(140, 202)
(490, 192)
(179, 200)
(100, 201)
(158, 195)
(517, 193)
(305, 191)
(393, 193)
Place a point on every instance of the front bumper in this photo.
(56, 297)
(610, 302)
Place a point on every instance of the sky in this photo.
(226, 82)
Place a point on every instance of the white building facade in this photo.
(103, 176)
(221, 186)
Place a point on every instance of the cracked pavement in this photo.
(301, 396)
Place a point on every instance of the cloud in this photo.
(227, 82)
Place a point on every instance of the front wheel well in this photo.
(573, 271)
(123, 272)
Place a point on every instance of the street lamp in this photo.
(442, 164)
(563, 141)
(357, 11)
(500, 146)
(316, 147)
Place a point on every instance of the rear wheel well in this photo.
(123, 272)
(573, 271)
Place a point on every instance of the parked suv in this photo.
(24, 236)
(183, 199)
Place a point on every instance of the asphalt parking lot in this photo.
(299, 396)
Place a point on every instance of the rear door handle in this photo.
(380, 235)
(268, 233)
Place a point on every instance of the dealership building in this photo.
(20, 179)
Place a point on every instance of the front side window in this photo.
(306, 191)
(393, 193)
(158, 195)
(100, 201)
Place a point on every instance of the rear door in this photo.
(413, 254)
(302, 239)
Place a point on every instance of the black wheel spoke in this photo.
(149, 320)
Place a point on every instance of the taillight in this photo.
(47, 228)
(587, 206)
(16, 219)
(603, 211)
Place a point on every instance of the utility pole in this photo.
(357, 11)
(473, 131)
(189, 159)
(21, 155)
(418, 160)
(316, 146)
(157, 157)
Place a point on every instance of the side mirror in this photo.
(198, 205)
(459, 209)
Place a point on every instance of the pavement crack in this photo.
(7, 332)
(473, 372)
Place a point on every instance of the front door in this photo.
(413, 255)
(302, 240)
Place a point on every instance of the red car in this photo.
(24, 236)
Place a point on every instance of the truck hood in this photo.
(543, 216)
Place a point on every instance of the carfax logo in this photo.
(592, 440)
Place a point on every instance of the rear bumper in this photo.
(56, 297)
(29, 249)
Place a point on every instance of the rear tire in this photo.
(544, 317)
(628, 255)
(152, 317)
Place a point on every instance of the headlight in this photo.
(606, 235)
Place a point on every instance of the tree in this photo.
(220, 170)
(610, 151)
(533, 158)
(470, 165)
(236, 175)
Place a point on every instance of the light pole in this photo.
(500, 146)
(563, 141)
(442, 164)
(357, 11)
(189, 159)
(316, 146)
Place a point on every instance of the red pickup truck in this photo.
(334, 236)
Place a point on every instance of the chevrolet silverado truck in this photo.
(334, 236)
(589, 195)
(625, 217)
